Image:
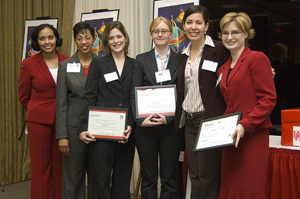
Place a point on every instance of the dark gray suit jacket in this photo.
(69, 91)
(144, 75)
(98, 92)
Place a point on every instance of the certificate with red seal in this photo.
(107, 123)
(216, 132)
(155, 99)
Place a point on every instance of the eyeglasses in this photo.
(233, 34)
(163, 32)
(80, 39)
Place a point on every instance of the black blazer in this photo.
(210, 94)
(98, 92)
(144, 75)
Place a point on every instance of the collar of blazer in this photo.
(43, 68)
(237, 66)
(207, 54)
(110, 63)
(173, 64)
(151, 64)
(81, 76)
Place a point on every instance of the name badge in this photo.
(111, 76)
(163, 75)
(219, 79)
(73, 67)
(209, 65)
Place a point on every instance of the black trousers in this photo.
(204, 166)
(112, 167)
(161, 141)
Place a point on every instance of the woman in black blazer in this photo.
(198, 98)
(108, 156)
(156, 136)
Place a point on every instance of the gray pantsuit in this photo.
(69, 92)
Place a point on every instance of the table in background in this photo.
(283, 180)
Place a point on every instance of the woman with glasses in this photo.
(72, 76)
(198, 97)
(247, 86)
(109, 85)
(155, 135)
(37, 94)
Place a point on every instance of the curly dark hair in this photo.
(35, 34)
(81, 26)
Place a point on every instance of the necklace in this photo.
(86, 66)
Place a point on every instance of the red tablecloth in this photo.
(283, 180)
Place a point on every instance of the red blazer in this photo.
(37, 89)
(250, 89)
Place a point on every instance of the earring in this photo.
(205, 32)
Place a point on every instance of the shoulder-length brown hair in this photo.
(118, 25)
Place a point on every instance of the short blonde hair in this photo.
(157, 21)
(242, 21)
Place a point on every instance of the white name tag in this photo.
(209, 65)
(73, 67)
(219, 79)
(162, 76)
(111, 76)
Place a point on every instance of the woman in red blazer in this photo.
(247, 86)
(37, 93)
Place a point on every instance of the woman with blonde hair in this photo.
(247, 86)
(155, 135)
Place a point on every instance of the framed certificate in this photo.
(107, 123)
(155, 99)
(216, 132)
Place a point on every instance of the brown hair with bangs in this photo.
(118, 25)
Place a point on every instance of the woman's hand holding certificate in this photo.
(86, 137)
(154, 121)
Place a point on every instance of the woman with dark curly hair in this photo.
(37, 93)
(69, 92)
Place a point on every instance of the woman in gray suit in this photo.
(72, 75)
(156, 136)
